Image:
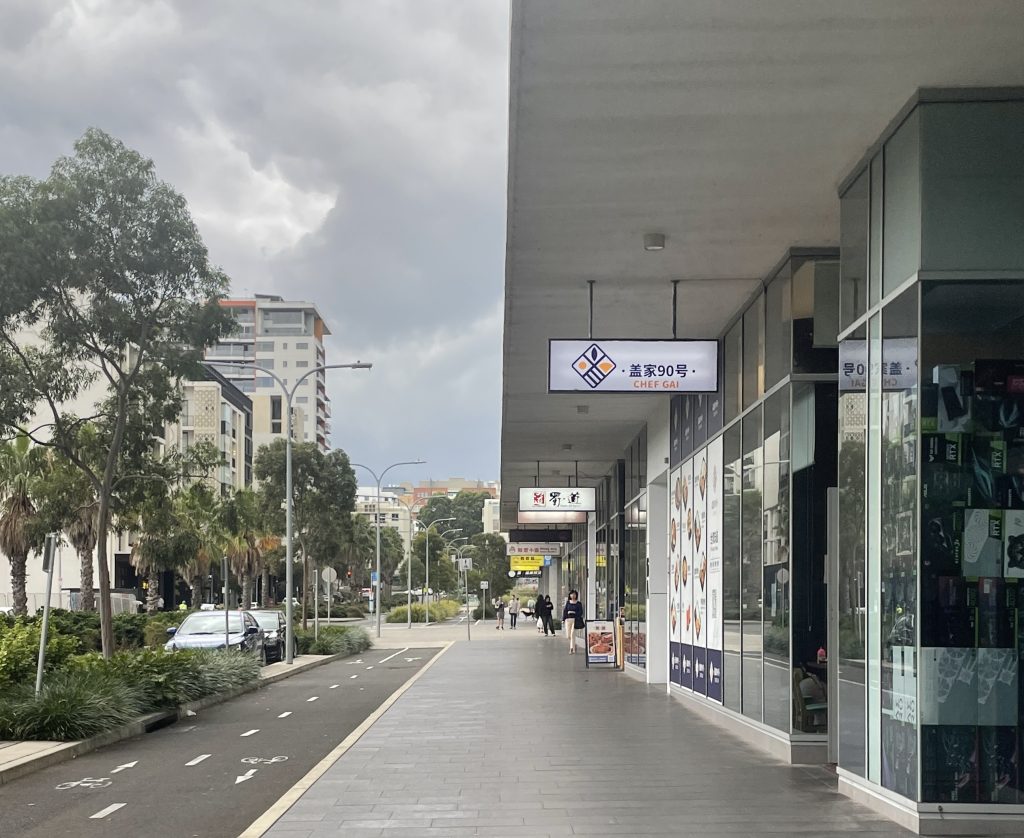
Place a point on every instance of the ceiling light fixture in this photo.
(654, 241)
(583, 409)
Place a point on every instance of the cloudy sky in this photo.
(351, 153)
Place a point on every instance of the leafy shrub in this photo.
(84, 626)
(447, 607)
(223, 671)
(303, 641)
(163, 679)
(73, 704)
(355, 611)
(130, 630)
(19, 651)
(337, 640)
(155, 631)
(439, 611)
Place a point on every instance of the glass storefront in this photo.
(747, 529)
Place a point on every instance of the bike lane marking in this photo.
(198, 759)
(312, 698)
(102, 813)
(285, 714)
(395, 655)
(250, 732)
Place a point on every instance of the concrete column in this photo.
(657, 580)
(590, 595)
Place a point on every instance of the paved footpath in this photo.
(510, 736)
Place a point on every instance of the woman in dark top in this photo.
(547, 609)
(571, 613)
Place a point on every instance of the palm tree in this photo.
(269, 547)
(20, 471)
(199, 510)
(83, 531)
(242, 521)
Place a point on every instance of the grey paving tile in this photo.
(565, 752)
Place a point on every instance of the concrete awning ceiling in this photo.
(725, 125)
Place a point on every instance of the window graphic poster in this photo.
(713, 608)
(675, 583)
(686, 578)
(699, 571)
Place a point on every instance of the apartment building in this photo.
(285, 338)
(215, 411)
(390, 509)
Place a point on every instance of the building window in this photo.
(264, 346)
(266, 363)
(303, 400)
(275, 414)
(302, 345)
(264, 381)
(394, 516)
(299, 363)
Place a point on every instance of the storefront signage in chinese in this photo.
(552, 516)
(551, 548)
(632, 366)
(572, 499)
(525, 562)
(898, 364)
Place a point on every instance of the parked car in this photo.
(274, 631)
(205, 630)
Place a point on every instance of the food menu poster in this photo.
(699, 572)
(713, 607)
(600, 642)
(675, 583)
(686, 578)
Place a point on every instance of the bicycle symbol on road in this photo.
(262, 760)
(86, 783)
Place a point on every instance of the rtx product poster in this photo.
(686, 578)
(700, 571)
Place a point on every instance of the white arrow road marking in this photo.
(359, 661)
(285, 714)
(312, 698)
(248, 775)
(198, 759)
(410, 660)
(354, 676)
(251, 732)
(123, 767)
(335, 686)
(395, 655)
(370, 667)
(102, 813)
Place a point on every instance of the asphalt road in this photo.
(213, 774)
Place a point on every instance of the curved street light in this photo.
(426, 561)
(288, 570)
(376, 516)
(459, 551)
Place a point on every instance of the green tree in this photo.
(166, 542)
(198, 510)
(103, 261)
(443, 575)
(358, 550)
(466, 508)
(323, 495)
(490, 562)
(243, 521)
(21, 470)
(392, 552)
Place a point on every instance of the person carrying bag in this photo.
(572, 619)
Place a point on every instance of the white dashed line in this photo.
(199, 759)
(335, 686)
(370, 667)
(102, 813)
(251, 732)
(395, 655)
(314, 698)
(354, 676)
(285, 714)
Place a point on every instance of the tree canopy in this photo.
(109, 297)
(466, 508)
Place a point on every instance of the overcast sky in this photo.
(350, 153)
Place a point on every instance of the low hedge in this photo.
(93, 694)
(19, 651)
(333, 640)
(439, 611)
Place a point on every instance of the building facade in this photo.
(287, 338)
(390, 509)
(214, 411)
(821, 548)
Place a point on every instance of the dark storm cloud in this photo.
(347, 153)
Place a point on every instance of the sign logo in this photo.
(594, 366)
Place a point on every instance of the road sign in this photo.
(373, 577)
(484, 584)
(330, 575)
(465, 563)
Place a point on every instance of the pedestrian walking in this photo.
(513, 611)
(499, 608)
(572, 619)
(549, 609)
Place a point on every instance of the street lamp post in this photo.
(376, 516)
(408, 568)
(426, 562)
(469, 615)
(288, 570)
